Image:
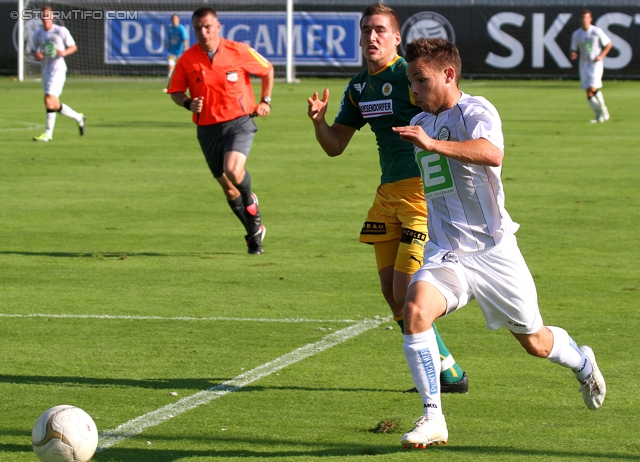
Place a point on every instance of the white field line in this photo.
(28, 125)
(177, 318)
(136, 426)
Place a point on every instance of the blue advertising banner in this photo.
(320, 39)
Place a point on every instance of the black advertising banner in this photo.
(526, 41)
(512, 42)
(494, 41)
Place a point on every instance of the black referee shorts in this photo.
(218, 139)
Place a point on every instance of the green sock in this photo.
(453, 373)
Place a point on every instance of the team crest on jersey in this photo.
(376, 108)
(232, 76)
(444, 134)
(387, 88)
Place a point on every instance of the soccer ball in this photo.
(64, 434)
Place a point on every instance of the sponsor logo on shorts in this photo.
(371, 227)
(376, 108)
(427, 363)
(409, 235)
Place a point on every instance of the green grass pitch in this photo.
(127, 222)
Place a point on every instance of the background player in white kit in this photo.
(51, 44)
(593, 45)
(472, 251)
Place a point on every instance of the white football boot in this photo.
(593, 389)
(427, 432)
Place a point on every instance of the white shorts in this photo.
(591, 74)
(498, 278)
(172, 59)
(53, 82)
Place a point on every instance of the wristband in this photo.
(187, 104)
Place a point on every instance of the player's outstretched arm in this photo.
(478, 152)
(333, 139)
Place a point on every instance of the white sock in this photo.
(565, 352)
(51, 123)
(600, 97)
(68, 112)
(595, 105)
(423, 358)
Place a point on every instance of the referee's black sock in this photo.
(245, 189)
(240, 211)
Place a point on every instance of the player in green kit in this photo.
(396, 224)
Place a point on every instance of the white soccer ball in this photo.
(64, 434)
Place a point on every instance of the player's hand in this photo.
(573, 56)
(318, 107)
(416, 135)
(60, 53)
(263, 109)
(38, 56)
(598, 58)
(197, 104)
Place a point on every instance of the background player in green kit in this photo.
(396, 224)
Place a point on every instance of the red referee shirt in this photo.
(223, 82)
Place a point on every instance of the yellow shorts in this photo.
(397, 225)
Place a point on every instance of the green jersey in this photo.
(383, 100)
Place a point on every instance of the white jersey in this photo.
(49, 41)
(465, 201)
(590, 42)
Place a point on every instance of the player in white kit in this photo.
(472, 251)
(593, 45)
(50, 45)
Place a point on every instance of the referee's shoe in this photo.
(254, 243)
(253, 215)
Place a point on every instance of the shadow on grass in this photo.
(116, 255)
(344, 449)
(324, 449)
(141, 123)
(167, 384)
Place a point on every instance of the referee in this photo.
(216, 72)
